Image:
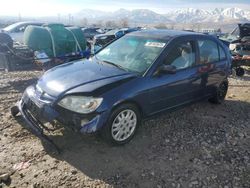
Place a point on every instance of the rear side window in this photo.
(222, 53)
(208, 51)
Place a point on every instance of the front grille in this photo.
(33, 109)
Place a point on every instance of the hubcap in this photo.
(124, 125)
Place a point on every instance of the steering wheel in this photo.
(140, 61)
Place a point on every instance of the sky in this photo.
(37, 8)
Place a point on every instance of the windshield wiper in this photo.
(116, 65)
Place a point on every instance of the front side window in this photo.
(181, 56)
(208, 51)
(132, 53)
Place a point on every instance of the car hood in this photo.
(86, 74)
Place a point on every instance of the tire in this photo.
(14, 111)
(220, 93)
(6, 63)
(240, 71)
(7, 40)
(127, 128)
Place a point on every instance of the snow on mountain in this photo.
(217, 15)
(234, 13)
(188, 15)
(147, 16)
(137, 15)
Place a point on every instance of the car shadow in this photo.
(163, 146)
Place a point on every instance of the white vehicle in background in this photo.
(16, 30)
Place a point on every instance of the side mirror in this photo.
(166, 69)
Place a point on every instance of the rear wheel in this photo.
(122, 124)
(220, 93)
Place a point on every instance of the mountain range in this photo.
(188, 15)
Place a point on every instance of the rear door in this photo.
(211, 67)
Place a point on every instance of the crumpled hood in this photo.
(244, 30)
(73, 75)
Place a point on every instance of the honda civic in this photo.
(131, 79)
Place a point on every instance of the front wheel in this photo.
(220, 93)
(122, 124)
(14, 111)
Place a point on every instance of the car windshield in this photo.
(132, 53)
(112, 32)
(12, 26)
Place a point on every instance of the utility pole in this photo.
(69, 19)
(59, 17)
(72, 20)
(19, 17)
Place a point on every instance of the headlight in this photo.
(80, 104)
(232, 47)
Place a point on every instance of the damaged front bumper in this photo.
(36, 112)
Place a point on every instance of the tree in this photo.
(99, 23)
(172, 26)
(124, 22)
(110, 24)
(161, 26)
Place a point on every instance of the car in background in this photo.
(132, 78)
(89, 33)
(16, 30)
(239, 45)
(240, 39)
(103, 39)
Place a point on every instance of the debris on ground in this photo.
(202, 145)
(21, 165)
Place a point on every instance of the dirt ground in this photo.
(202, 145)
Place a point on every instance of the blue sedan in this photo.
(133, 78)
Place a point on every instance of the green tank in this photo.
(38, 39)
(55, 39)
(79, 36)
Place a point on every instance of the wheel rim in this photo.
(124, 125)
(222, 91)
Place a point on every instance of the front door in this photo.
(172, 90)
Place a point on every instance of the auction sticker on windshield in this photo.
(155, 44)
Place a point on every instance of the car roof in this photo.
(94, 28)
(163, 33)
(29, 22)
(17, 24)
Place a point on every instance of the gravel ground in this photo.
(202, 145)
